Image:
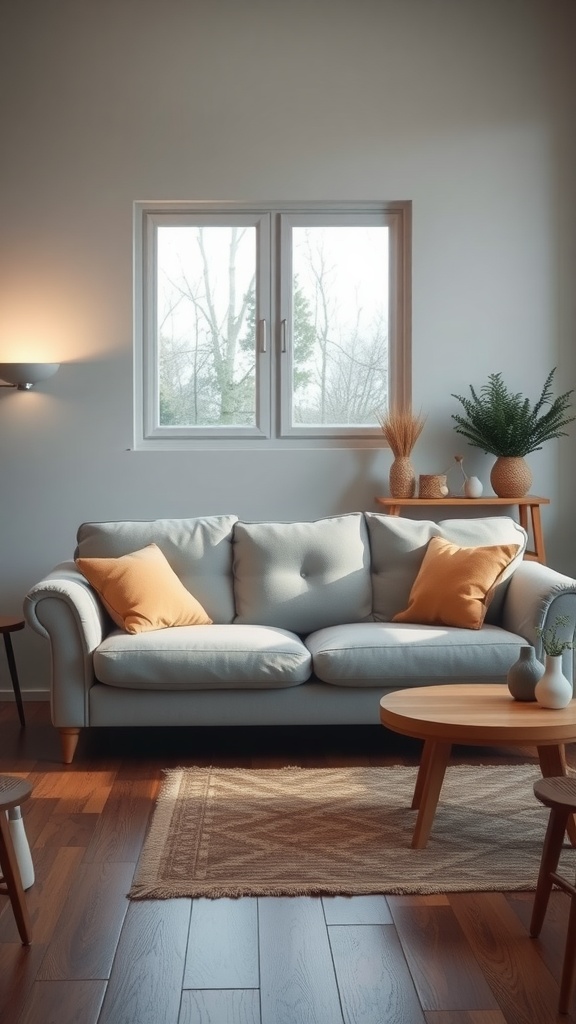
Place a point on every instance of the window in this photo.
(284, 324)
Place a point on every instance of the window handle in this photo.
(282, 335)
(263, 336)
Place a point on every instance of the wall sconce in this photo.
(23, 376)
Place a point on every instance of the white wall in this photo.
(466, 107)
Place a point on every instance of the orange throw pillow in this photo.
(455, 585)
(141, 591)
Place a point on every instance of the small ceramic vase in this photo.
(524, 674)
(473, 488)
(554, 690)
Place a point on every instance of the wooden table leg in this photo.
(538, 553)
(553, 765)
(14, 677)
(422, 774)
(537, 534)
(428, 789)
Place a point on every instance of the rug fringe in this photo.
(153, 892)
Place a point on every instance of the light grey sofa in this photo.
(302, 631)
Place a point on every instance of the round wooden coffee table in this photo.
(476, 714)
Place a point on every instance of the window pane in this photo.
(206, 325)
(339, 325)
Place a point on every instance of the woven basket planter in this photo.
(510, 477)
(402, 478)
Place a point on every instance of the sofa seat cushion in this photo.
(203, 657)
(383, 654)
(303, 576)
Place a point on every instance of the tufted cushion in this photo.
(198, 550)
(302, 576)
(398, 547)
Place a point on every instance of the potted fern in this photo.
(509, 426)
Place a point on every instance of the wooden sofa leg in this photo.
(68, 743)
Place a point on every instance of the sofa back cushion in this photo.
(198, 550)
(398, 547)
(303, 576)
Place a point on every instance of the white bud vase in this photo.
(472, 487)
(553, 690)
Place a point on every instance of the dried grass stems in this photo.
(401, 430)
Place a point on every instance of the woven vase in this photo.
(510, 477)
(402, 478)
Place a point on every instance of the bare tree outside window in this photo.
(344, 275)
(206, 281)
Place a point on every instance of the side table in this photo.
(11, 624)
(528, 509)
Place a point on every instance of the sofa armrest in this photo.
(66, 610)
(537, 594)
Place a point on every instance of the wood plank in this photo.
(223, 945)
(356, 910)
(56, 1002)
(373, 978)
(122, 825)
(297, 981)
(87, 931)
(213, 1007)
(551, 942)
(435, 899)
(442, 964)
(465, 1017)
(77, 788)
(146, 981)
(18, 967)
(67, 829)
(524, 988)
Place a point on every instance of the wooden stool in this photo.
(10, 624)
(559, 794)
(13, 792)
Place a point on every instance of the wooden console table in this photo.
(528, 509)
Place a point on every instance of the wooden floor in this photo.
(97, 957)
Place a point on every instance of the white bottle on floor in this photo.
(21, 846)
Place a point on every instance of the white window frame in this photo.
(273, 223)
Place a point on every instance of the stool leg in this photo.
(553, 841)
(11, 876)
(14, 677)
(567, 981)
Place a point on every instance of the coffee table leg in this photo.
(422, 774)
(428, 785)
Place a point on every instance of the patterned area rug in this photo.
(340, 831)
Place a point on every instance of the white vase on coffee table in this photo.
(553, 690)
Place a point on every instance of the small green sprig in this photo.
(551, 642)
